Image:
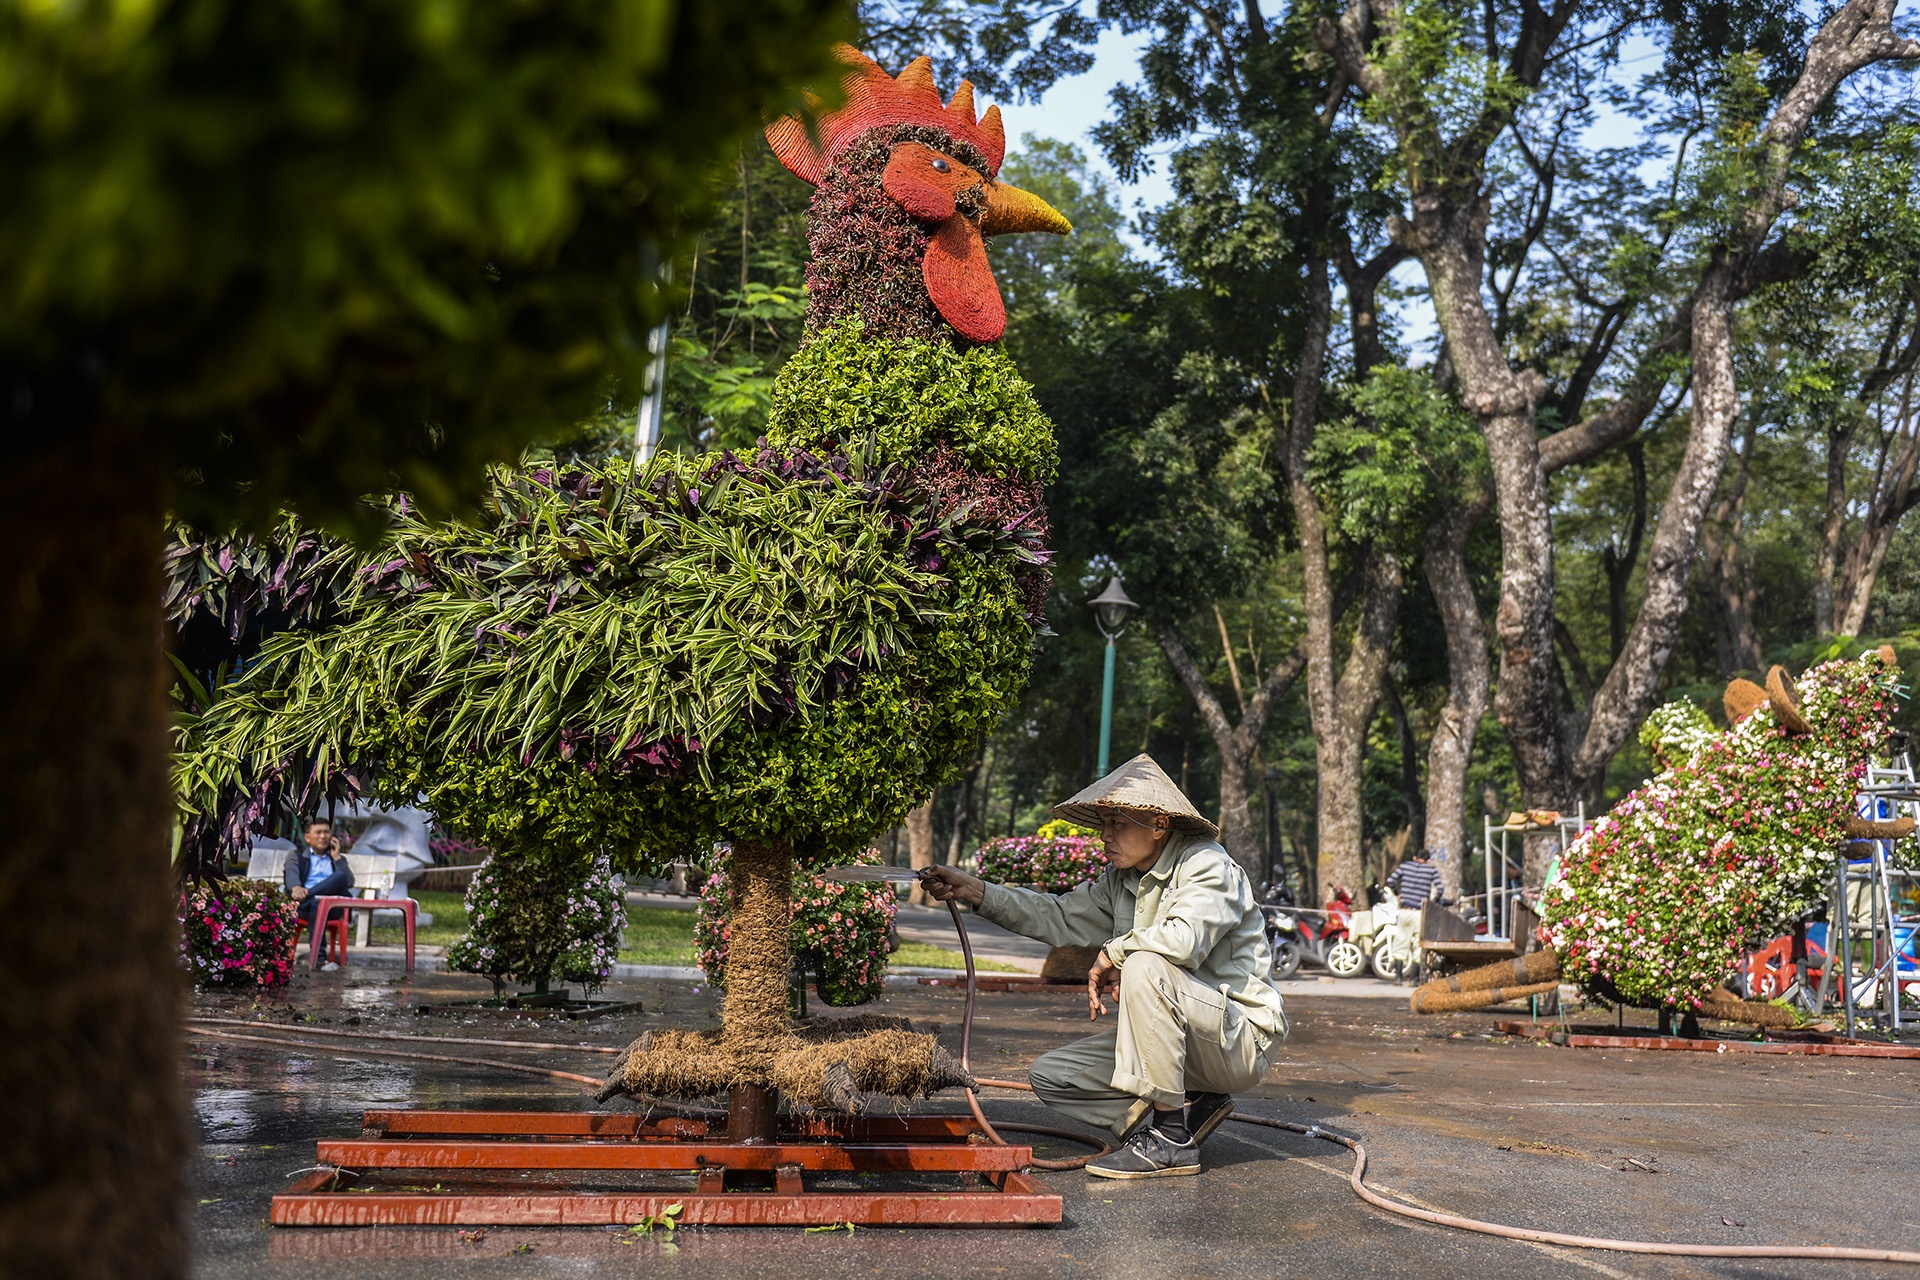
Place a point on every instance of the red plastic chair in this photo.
(335, 933)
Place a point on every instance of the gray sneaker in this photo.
(1207, 1112)
(1148, 1154)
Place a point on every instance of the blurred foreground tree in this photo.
(254, 256)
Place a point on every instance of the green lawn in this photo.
(923, 955)
(655, 935)
(449, 922)
(658, 935)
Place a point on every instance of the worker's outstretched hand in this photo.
(948, 884)
(1100, 979)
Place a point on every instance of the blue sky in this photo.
(1073, 106)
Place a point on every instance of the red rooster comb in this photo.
(874, 99)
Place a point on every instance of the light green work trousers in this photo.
(1173, 1033)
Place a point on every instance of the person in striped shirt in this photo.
(1415, 880)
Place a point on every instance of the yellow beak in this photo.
(1011, 210)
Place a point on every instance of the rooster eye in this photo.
(941, 166)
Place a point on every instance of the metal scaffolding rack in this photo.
(1866, 890)
(1503, 890)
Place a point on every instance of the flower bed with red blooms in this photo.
(1720, 852)
(238, 933)
(843, 927)
(1059, 857)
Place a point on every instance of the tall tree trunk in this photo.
(1894, 494)
(920, 847)
(1235, 743)
(1409, 767)
(1340, 700)
(1833, 525)
(1340, 748)
(759, 944)
(1451, 242)
(92, 1167)
(1618, 566)
(1450, 749)
(963, 808)
(1729, 591)
(1858, 597)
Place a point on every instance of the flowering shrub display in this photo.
(841, 928)
(535, 917)
(1054, 859)
(1720, 850)
(238, 933)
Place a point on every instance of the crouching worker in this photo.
(1183, 959)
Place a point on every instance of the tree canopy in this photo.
(310, 252)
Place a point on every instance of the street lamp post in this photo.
(1110, 609)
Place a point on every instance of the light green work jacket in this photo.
(1195, 906)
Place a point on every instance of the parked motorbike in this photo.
(1283, 939)
(1315, 937)
(1386, 935)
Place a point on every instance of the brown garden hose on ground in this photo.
(1357, 1178)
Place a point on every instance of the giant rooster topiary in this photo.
(782, 653)
(1733, 839)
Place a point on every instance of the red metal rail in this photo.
(1020, 1202)
(628, 1124)
(1820, 1046)
(375, 1178)
(813, 1157)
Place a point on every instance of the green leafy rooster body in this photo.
(781, 653)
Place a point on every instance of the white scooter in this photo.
(1388, 936)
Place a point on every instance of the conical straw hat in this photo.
(1142, 785)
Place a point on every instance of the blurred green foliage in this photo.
(311, 249)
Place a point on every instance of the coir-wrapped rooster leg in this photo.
(824, 1063)
(1535, 973)
(828, 1072)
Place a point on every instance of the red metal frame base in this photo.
(528, 1168)
(1814, 1044)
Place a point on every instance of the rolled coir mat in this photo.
(1727, 1007)
(1538, 971)
(1425, 1001)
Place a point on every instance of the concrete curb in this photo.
(432, 960)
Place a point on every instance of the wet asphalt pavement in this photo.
(1713, 1148)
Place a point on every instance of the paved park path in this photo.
(1665, 1146)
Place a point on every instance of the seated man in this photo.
(316, 869)
(1184, 943)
